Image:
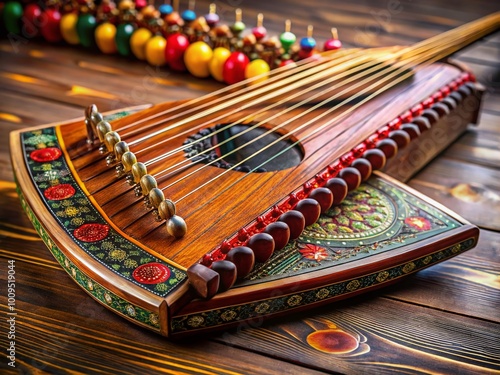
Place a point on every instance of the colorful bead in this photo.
(105, 37)
(197, 59)
(12, 14)
(68, 28)
(216, 65)
(234, 68)
(124, 33)
(257, 68)
(51, 27)
(334, 43)
(138, 42)
(238, 26)
(165, 9)
(155, 50)
(212, 18)
(259, 31)
(174, 51)
(31, 19)
(85, 27)
(308, 43)
(287, 38)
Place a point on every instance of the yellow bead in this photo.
(216, 65)
(138, 42)
(68, 28)
(197, 59)
(105, 37)
(155, 50)
(256, 68)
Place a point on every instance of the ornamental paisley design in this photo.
(81, 221)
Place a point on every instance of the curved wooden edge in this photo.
(114, 292)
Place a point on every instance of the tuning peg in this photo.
(333, 43)
(287, 38)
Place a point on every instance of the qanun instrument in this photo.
(259, 199)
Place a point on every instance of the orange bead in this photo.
(197, 59)
(216, 65)
(105, 37)
(155, 50)
(257, 68)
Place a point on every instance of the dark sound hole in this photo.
(243, 153)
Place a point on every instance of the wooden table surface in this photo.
(445, 319)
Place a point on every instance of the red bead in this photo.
(347, 159)
(243, 258)
(295, 221)
(412, 130)
(372, 141)
(280, 232)
(31, 19)
(262, 245)
(207, 260)
(339, 189)
(437, 96)
(401, 138)
(352, 177)
(174, 52)
(287, 62)
(417, 110)
(51, 29)
(323, 196)
(427, 103)
(242, 235)
(383, 132)
(359, 150)
(388, 146)
(445, 91)
(227, 274)
(259, 32)
(311, 210)
(332, 44)
(234, 68)
(364, 167)
(376, 158)
(395, 124)
(406, 117)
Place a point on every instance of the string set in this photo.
(350, 72)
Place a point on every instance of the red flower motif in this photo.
(59, 192)
(91, 232)
(46, 154)
(419, 223)
(151, 273)
(314, 252)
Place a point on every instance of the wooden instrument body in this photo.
(213, 217)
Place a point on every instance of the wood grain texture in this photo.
(442, 320)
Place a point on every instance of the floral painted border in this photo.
(240, 313)
(84, 224)
(96, 290)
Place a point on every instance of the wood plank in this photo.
(383, 336)
(470, 190)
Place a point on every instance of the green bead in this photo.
(238, 27)
(85, 28)
(123, 33)
(287, 39)
(11, 15)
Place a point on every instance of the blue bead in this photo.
(188, 15)
(307, 43)
(165, 9)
